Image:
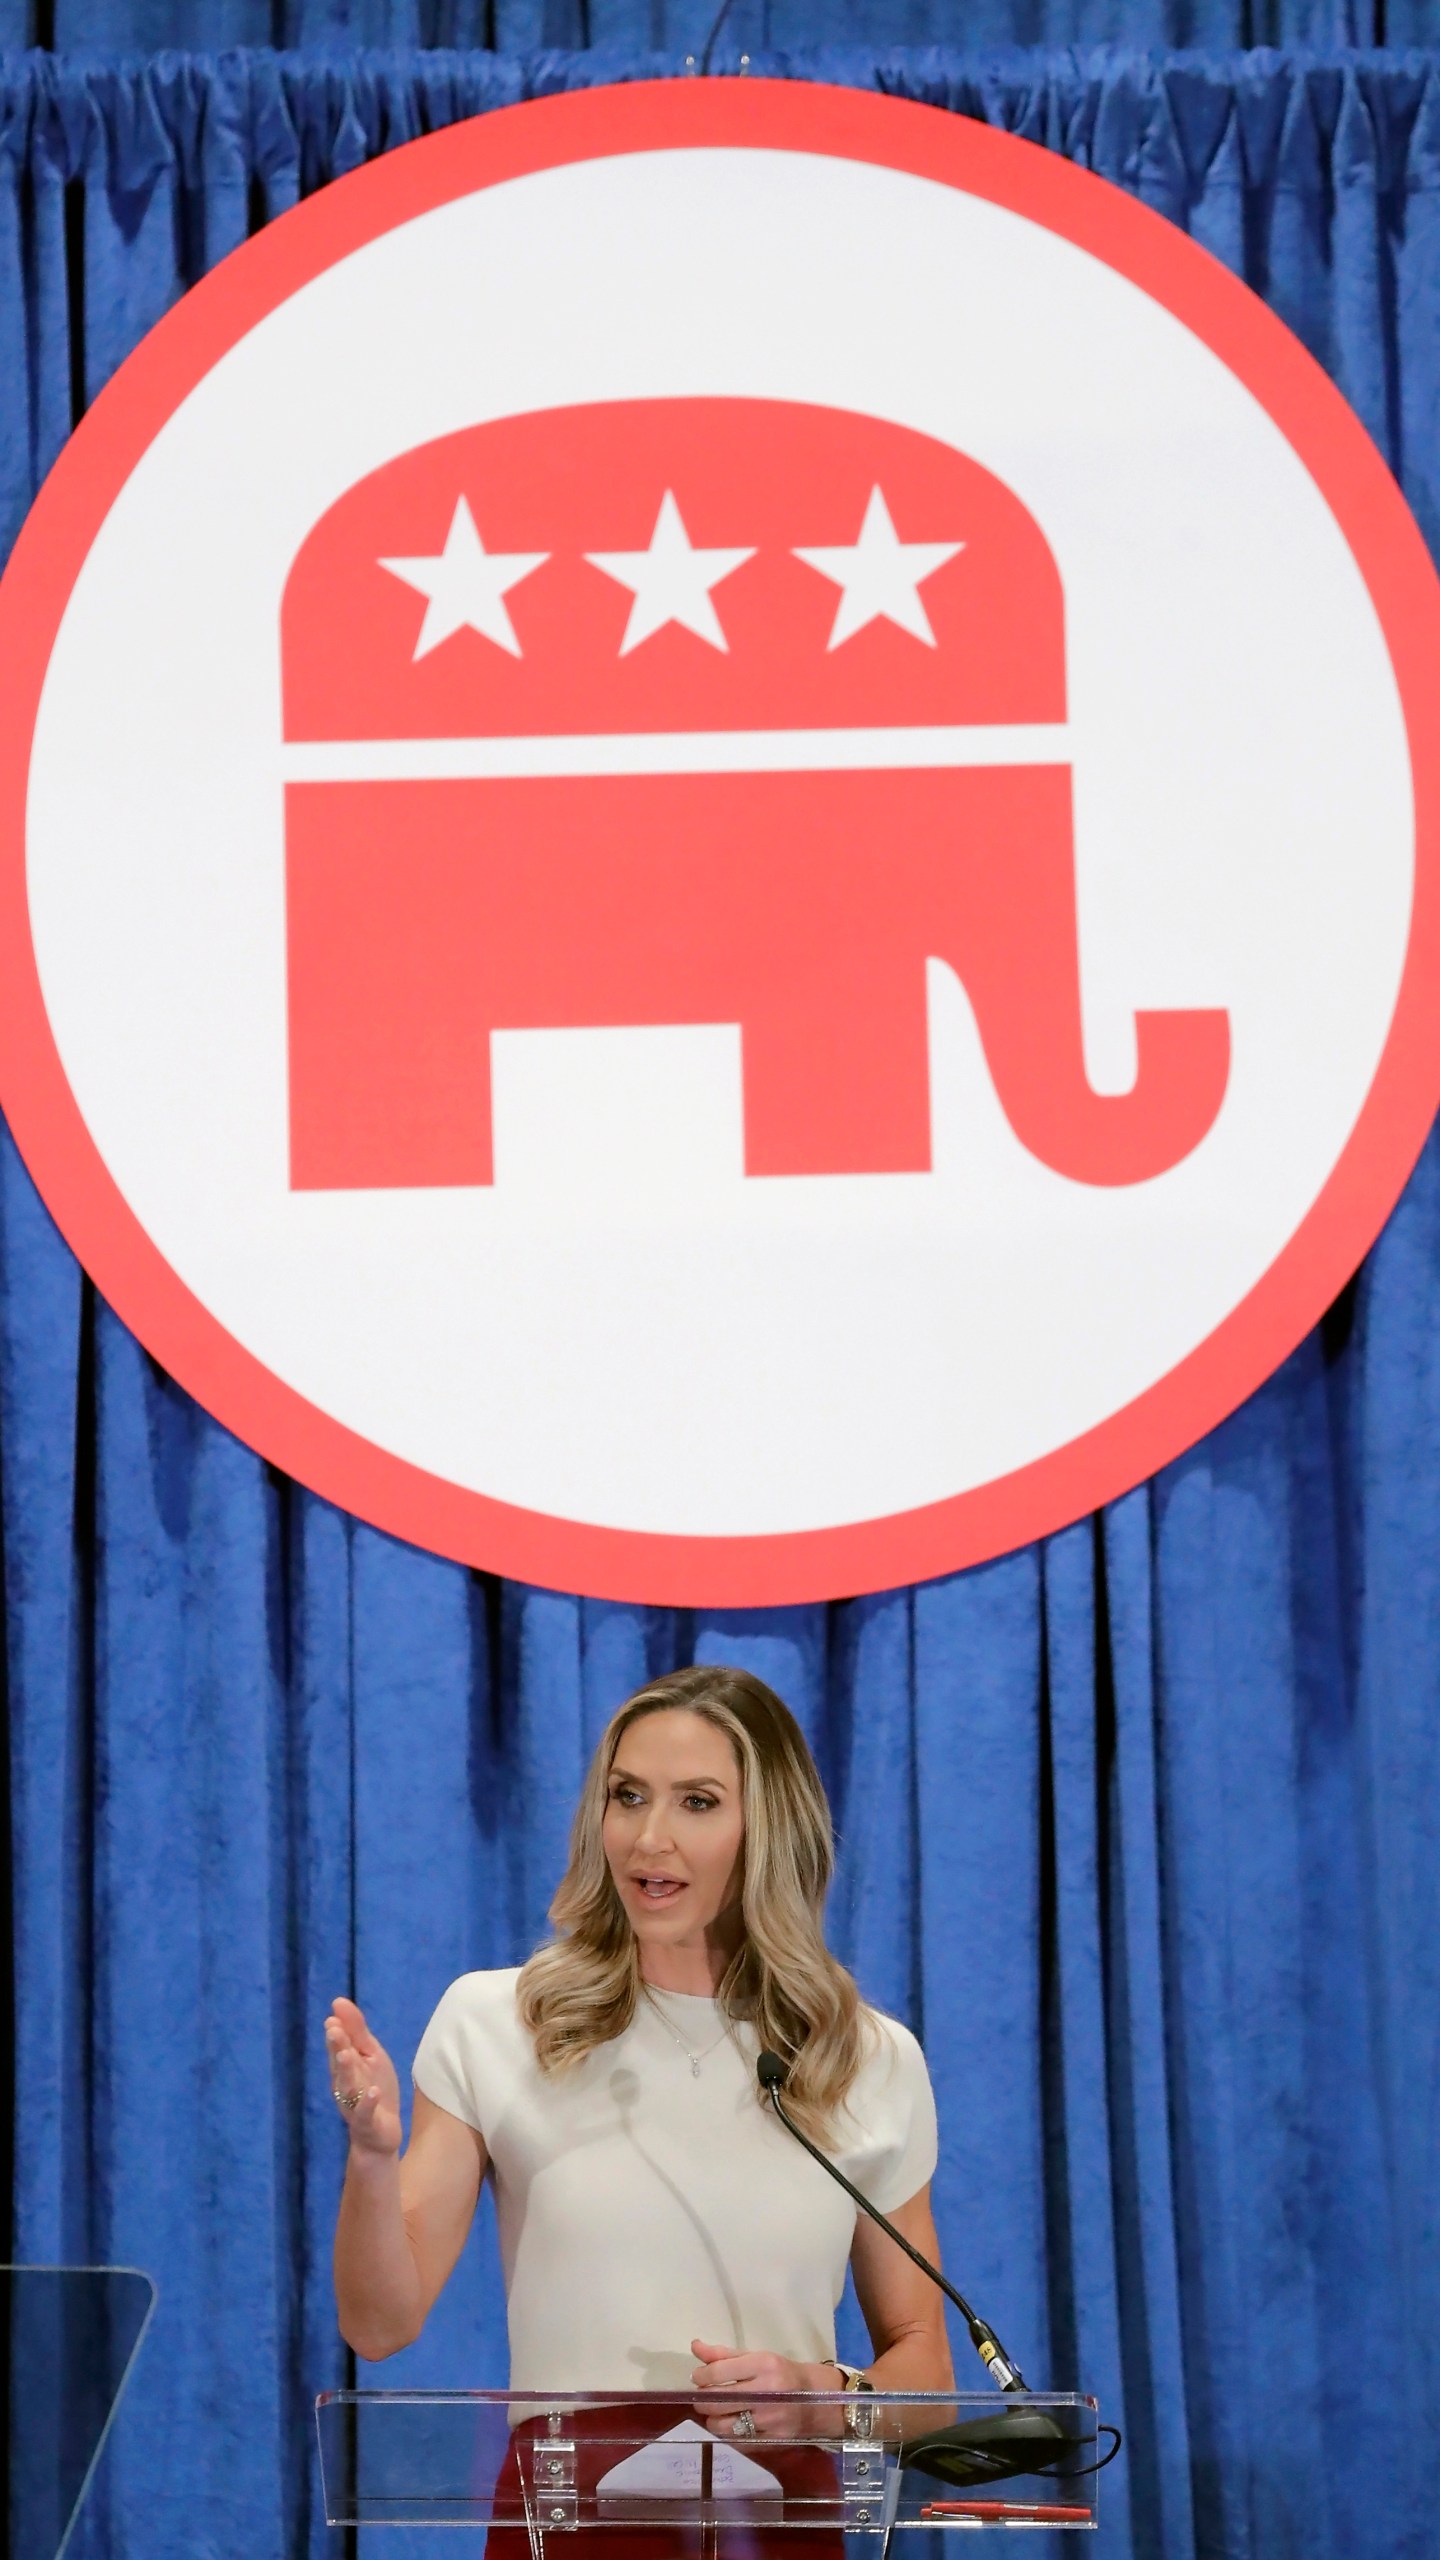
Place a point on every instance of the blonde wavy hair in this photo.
(580, 1990)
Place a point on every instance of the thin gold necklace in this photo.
(692, 2057)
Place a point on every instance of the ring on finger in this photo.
(743, 2423)
(349, 2103)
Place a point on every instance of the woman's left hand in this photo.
(746, 2370)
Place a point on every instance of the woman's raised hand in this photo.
(361, 2070)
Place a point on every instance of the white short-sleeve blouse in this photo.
(642, 2204)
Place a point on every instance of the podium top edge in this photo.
(581, 2399)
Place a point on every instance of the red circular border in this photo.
(799, 1565)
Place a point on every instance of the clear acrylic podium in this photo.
(70, 2338)
(551, 2465)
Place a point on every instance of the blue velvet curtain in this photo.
(512, 26)
(1139, 1826)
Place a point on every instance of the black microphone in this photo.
(1005, 2447)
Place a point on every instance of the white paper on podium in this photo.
(670, 2467)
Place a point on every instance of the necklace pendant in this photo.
(694, 2067)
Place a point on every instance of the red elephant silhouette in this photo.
(682, 712)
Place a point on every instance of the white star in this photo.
(466, 584)
(880, 575)
(670, 582)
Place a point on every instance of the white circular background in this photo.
(624, 1330)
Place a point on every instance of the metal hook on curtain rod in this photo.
(707, 49)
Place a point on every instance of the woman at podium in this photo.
(659, 2228)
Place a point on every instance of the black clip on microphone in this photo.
(1012, 2444)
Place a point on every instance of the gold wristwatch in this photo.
(851, 2375)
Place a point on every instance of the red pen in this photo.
(999, 2511)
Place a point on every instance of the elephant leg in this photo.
(810, 954)
(840, 1087)
(389, 1049)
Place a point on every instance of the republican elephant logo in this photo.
(713, 573)
(692, 711)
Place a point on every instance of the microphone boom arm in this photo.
(770, 2071)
